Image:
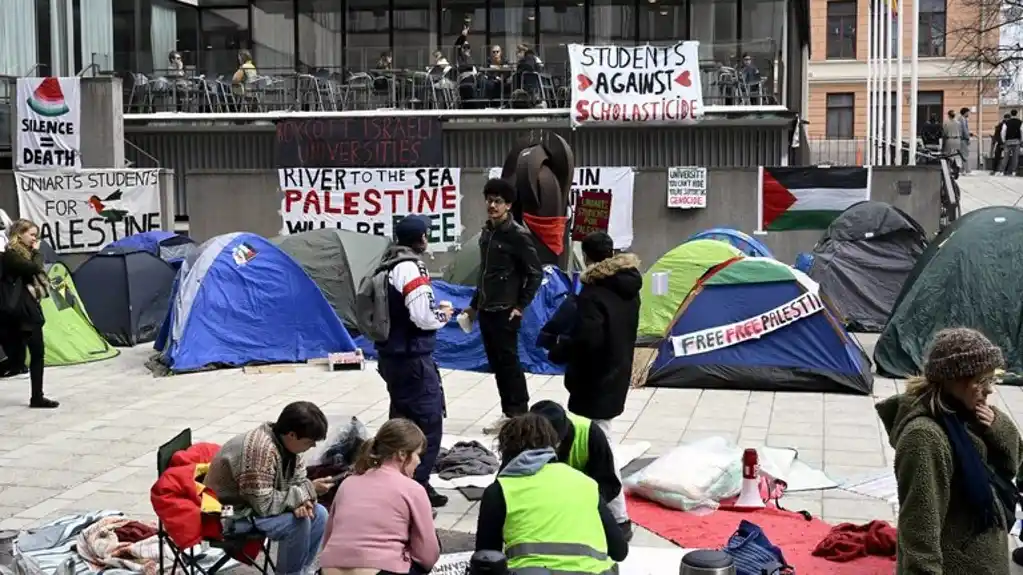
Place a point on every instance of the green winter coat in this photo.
(936, 534)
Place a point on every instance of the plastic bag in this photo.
(691, 477)
(341, 446)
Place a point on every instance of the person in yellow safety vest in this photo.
(547, 518)
(585, 448)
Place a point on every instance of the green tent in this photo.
(465, 268)
(686, 263)
(968, 277)
(69, 336)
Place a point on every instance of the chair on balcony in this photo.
(357, 89)
(140, 98)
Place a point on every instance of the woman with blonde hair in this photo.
(381, 522)
(956, 460)
(25, 283)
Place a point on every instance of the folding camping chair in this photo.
(231, 545)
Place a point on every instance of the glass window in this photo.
(562, 22)
(511, 24)
(44, 47)
(929, 104)
(840, 114)
(613, 22)
(932, 28)
(368, 37)
(163, 35)
(188, 35)
(841, 39)
(415, 33)
(762, 25)
(457, 15)
(273, 35)
(321, 40)
(224, 33)
(663, 22)
(714, 23)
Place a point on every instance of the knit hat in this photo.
(961, 353)
(553, 413)
(598, 246)
(411, 229)
(500, 188)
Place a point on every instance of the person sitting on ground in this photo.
(583, 445)
(956, 458)
(381, 521)
(261, 474)
(544, 514)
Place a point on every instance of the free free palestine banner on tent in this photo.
(372, 200)
(49, 121)
(808, 198)
(617, 184)
(83, 211)
(625, 84)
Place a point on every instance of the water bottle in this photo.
(226, 519)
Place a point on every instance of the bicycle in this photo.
(951, 207)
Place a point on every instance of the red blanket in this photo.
(848, 541)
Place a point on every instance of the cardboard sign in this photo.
(592, 213)
(687, 187)
(49, 122)
(372, 200)
(359, 142)
(82, 212)
(715, 338)
(627, 84)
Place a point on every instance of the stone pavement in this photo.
(980, 189)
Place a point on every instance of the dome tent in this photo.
(69, 337)
(745, 243)
(464, 268)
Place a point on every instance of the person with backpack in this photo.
(396, 309)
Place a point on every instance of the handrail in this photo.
(87, 68)
(143, 152)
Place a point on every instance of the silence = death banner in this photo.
(49, 124)
(626, 84)
(358, 143)
(82, 212)
(372, 200)
(602, 198)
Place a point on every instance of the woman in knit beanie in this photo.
(956, 459)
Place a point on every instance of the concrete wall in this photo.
(222, 202)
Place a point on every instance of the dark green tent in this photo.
(465, 268)
(970, 276)
(336, 260)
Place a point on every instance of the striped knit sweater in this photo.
(249, 472)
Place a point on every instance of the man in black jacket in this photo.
(1012, 133)
(510, 274)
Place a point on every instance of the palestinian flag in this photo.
(808, 198)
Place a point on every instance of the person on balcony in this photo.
(384, 62)
(465, 69)
(246, 72)
(751, 80)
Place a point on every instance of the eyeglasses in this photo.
(495, 201)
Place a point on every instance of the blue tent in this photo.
(170, 247)
(238, 300)
(760, 325)
(745, 243)
(459, 350)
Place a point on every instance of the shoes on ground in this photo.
(436, 499)
(494, 427)
(44, 403)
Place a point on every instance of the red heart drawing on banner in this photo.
(684, 80)
(584, 82)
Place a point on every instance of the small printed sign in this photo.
(687, 187)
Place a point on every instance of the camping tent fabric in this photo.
(811, 354)
(239, 300)
(686, 263)
(464, 351)
(863, 259)
(169, 246)
(127, 292)
(465, 266)
(69, 337)
(968, 277)
(745, 243)
(336, 260)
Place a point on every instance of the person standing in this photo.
(964, 138)
(997, 145)
(510, 273)
(406, 357)
(951, 130)
(1012, 134)
(25, 283)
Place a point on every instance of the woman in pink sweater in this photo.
(381, 522)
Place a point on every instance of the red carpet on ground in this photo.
(790, 531)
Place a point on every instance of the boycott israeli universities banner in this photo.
(371, 200)
(358, 142)
(626, 84)
(82, 212)
(613, 186)
(49, 122)
(715, 338)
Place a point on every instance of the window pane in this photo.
(762, 24)
(614, 22)
(273, 35)
(714, 24)
(415, 32)
(512, 24)
(840, 100)
(163, 36)
(454, 16)
(562, 22)
(188, 33)
(839, 116)
(368, 35)
(661, 23)
(929, 98)
(224, 32)
(320, 35)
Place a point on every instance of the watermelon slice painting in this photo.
(48, 99)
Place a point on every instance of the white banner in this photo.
(625, 84)
(715, 338)
(687, 187)
(618, 182)
(49, 121)
(82, 212)
(371, 200)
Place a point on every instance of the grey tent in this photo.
(465, 268)
(336, 260)
(863, 259)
